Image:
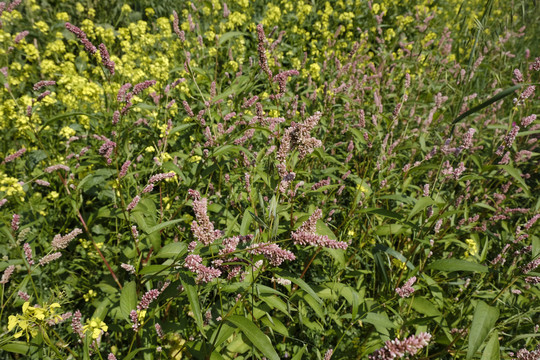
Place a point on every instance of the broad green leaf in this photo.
(246, 222)
(193, 297)
(180, 128)
(499, 96)
(484, 320)
(299, 354)
(276, 303)
(379, 320)
(132, 354)
(457, 265)
(17, 347)
(323, 229)
(390, 229)
(152, 269)
(515, 173)
(172, 250)
(228, 36)
(128, 299)
(163, 225)
(420, 205)
(303, 285)
(275, 324)
(424, 306)
(394, 253)
(221, 334)
(492, 350)
(313, 304)
(255, 335)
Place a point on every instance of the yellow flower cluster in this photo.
(96, 326)
(11, 187)
(32, 319)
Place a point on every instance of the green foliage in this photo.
(201, 202)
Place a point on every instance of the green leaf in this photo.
(180, 128)
(303, 285)
(128, 299)
(457, 265)
(246, 222)
(488, 102)
(484, 320)
(323, 229)
(228, 36)
(255, 335)
(420, 205)
(276, 303)
(132, 354)
(162, 226)
(424, 307)
(379, 320)
(221, 334)
(492, 350)
(275, 324)
(299, 354)
(394, 253)
(17, 347)
(152, 269)
(515, 173)
(172, 250)
(193, 297)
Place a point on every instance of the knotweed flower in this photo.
(28, 253)
(407, 289)
(263, 61)
(204, 273)
(306, 234)
(138, 88)
(203, 228)
(43, 183)
(106, 59)
(129, 268)
(48, 258)
(43, 83)
(111, 357)
(20, 36)
(61, 242)
(15, 220)
(147, 299)
(81, 35)
(76, 324)
(124, 169)
(23, 295)
(396, 348)
(272, 252)
(159, 331)
(187, 108)
(7, 274)
(162, 176)
(134, 319)
(133, 203)
(52, 168)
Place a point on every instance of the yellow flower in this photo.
(195, 158)
(33, 318)
(149, 12)
(96, 326)
(126, 8)
(362, 188)
(62, 16)
(67, 132)
(472, 248)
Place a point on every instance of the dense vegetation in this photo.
(270, 179)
